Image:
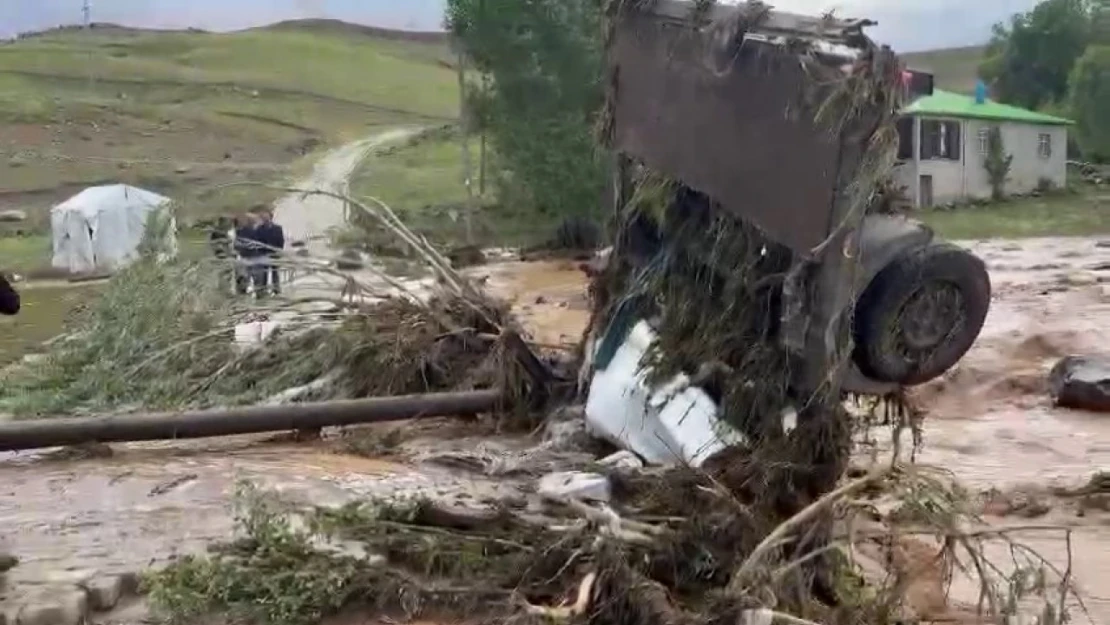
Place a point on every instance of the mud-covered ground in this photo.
(990, 421)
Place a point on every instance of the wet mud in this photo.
(990, 421)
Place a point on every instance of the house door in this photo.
(926, 188)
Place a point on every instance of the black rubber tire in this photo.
(880, 307)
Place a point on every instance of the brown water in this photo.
(148, 502)
(989, 421)
(549, 297)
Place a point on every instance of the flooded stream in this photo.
(989, 421)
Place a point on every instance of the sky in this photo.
(908, 25)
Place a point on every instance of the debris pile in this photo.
(646, 546)
(162, 336)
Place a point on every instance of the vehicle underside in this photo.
(921, 301)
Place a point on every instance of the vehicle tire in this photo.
(921, 314)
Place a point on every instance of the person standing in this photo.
(219, 241)
(272, 237)
(247, 249)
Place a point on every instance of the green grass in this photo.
(24, 253)
(1080, 214)
(362, 70)
(46, 309)
(955, 69)
(424, 184)
(183, 112)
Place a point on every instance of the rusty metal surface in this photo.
(830, 29)
(730, 125)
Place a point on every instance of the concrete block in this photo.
(131, 584)
(70, 607)
(104, 592)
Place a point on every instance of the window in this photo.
(1044, 145)
(940, 140)
(984, 141)
(905, 139)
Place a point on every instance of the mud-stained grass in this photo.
(1085, 213)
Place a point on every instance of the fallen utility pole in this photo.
(36, 434)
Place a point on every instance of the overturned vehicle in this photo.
(754, 154)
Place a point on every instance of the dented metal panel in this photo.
(729, 121)
(830, 29)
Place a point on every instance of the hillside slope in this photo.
(181, 112)
(955, 69)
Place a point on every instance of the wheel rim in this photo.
(928, 319)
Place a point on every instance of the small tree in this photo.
(1090, 102)
(997, 163)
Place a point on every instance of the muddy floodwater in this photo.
(989, 421)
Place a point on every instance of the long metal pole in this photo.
(36, 434)
(86, 14)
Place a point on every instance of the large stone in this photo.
(1082, 382)
(61, 608)
(104, 592)
(12, 216)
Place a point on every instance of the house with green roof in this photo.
(943, 146)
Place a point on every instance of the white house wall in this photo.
(958, 180)
(1022, 141)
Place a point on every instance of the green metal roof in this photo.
(948, 104)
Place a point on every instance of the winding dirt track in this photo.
(310, 218)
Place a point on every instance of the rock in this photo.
(1103, 244)
(7, 562)
(349, 260)
(61, 608)
(575, 485)
(104, 592)
(1082, 383)
(565, 429)
(622, 461)
(12, 216)
(1080, 278)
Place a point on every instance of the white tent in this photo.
(101, 228)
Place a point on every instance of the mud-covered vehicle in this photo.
(711, 109)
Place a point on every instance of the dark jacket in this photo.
(9, 298)
(273, 236)
(247, 242)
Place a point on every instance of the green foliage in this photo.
(273, 575)
(543, 60)
(1029, 61)
(997, 163)
(1090, 102)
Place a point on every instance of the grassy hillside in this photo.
(955, 69)
(181, 112)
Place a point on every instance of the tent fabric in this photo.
(101, 228)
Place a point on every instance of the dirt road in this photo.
(310, 218)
